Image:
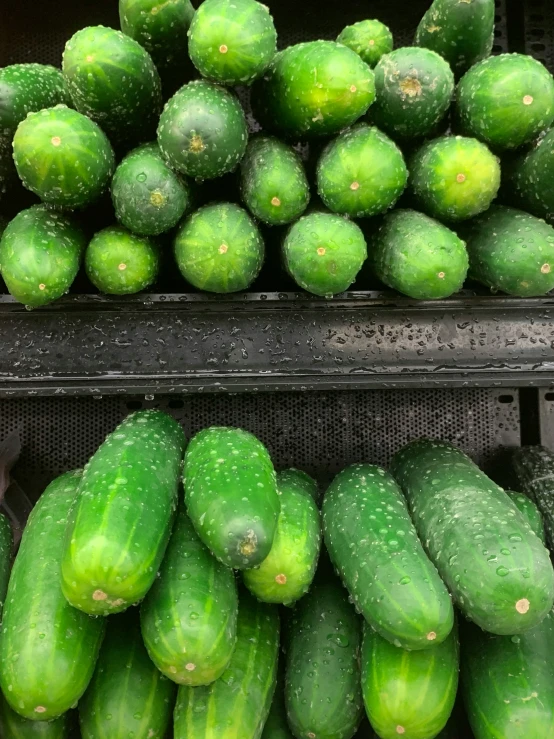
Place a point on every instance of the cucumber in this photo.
(119, 262)
(63, 157)
(414, 89)
(148, 197)
(288, 570)
(530, 179)
(511, 251)
(534, 471)
(505, 101)
(6, 555)
(361, 173)
(232, 41)
(219, 249)
(238, 703)
(530, 511)
(189, 617)
(324, 252)
(113, 80)
(202, 131)
(497, 570)
(47, 649)
(368, 530)
(274, 185)
(40, 254)
(14, 726)
(406, 693)
(323, 694)
(454, 178)
(231, 495)
(418, 256)
(276, 726)
(119, 528)
(370, 39)
(300, 479)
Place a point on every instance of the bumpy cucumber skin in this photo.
(189, 617)
(47, 649)
(361, 173)
(274, 185)
(14, 726)
(239, 702)
(529, 179)
(534, 469)
(6, 554)
(530, 511)
(409, 693)
(232, 41)
(300, 479)
(203, 131)
(505, 101)
(119, 528)
(40, 254)
(374, 546)
(495, 567)
(370, 39)
(219, 249)
(418, 256)
(510, 251)
(231, 495)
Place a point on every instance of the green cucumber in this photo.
(495, 567)
(534, 471)
(219, 249)
(288, 570)
(407, 693)
(6, 555)
(324, 252)
(418, 256)
(273, 181)
(323, 693)
(361, 173)
(506, 101)
(370, 39)
(276, 726)
(530, 511)
(530, 179)
(232, 41)
(368, 530)
(202, 130)
(239, 702)
(47, 649)
(40, 255)
(63, 157)
(231, 495)
(119, 528)
(189, 616)
(14, 726)
(300, 479)
(119, 262)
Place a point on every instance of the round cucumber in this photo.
(370, 39)
(6, 555)
(189, 616)
(231, 495)
(530, 511)
(219, 249)
(40, 254)
(63, 157)
(529, 179)
(324, 252)
(14, 726)
(300, 479)
(361, 173)
(232, 41)
(203, 131)
(119, 262)
(506, 100)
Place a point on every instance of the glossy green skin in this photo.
(534, 470)
(300, 479)
(203, 131)
(506, 100)
(238, 703)
(189, 617)
(63, 157)
(324, 252)
(287, 572)
(530, 179)
(370, 39)
(276, 726)
(232, 41)
(6, 554)
(48, 649)
(323, 694)
(231, 495)
(119, 528)
(496, 568)
(418, 256)
(40, 254)
(373, 544)
(413, 691)
(530, 511)
(454, 178)
(511, 251)
(219, 249)
(14, 726)
(273, 181)
(361, 173)
(113, 80)
(119, 262)
(127, 695)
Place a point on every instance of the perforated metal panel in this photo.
(539, 30)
